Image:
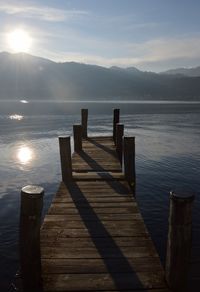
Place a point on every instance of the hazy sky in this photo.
(148, 34)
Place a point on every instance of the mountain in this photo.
(23, 76)
(190, 72)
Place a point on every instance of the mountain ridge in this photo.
(24, 76)
(189, 72)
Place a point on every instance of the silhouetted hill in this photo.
(23, 76)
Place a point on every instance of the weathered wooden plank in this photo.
(96, 137)
(86, 204)
(85, 167)
(98, 176)
(92, 224)
(98, 253)
(93, 151)
(93, 266)
(85, 211)
(124, 183)
(110, 189)
(114, 199)
(98, 232)
(93, 217)
(91, 195)
(128, 290)
(135, 290)
(101, 189)
(143, 290)
(135, 217)
(84, 187)
(102, 145)
(102, 242)
(90, 282)
(94, 159)
(89, 152)
(114, 185)
(101, 166)
(91, 155)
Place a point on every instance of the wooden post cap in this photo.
(130, 139)
(182, 196)
(64, 137)
(33, 191)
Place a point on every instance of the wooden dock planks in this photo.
(93, 237)
(99, 155)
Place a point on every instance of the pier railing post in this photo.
(78, 133)
(84, 121)
(29, 237)
(129, 161)
(65, 158)
(179, 240)
(119, 140)
(116, 113)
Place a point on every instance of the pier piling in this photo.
(30, 221)
(116, 113)
(78, 135)
(84, 122)
(65, 158)
(129, 161)
(179, 240)
(119, 140)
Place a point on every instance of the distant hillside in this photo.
(190, 72)
(23, 76)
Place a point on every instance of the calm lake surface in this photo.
(167, 157)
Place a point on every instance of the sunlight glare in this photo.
(16, 117)
(24, 154)
(19, 40)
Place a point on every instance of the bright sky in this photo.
(148, 34)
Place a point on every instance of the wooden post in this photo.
(65, 158)
(116, 113)
(78, 131)
(29, 237)
(179, 240)
(84, 121)
(129, 161)
(119, 140)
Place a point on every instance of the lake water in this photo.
(167, 157)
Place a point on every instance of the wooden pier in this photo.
(93, 237)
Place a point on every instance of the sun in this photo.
(19, 40)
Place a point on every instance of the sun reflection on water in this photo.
(25, 154)
(16, 117)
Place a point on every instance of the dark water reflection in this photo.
(168, 156)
